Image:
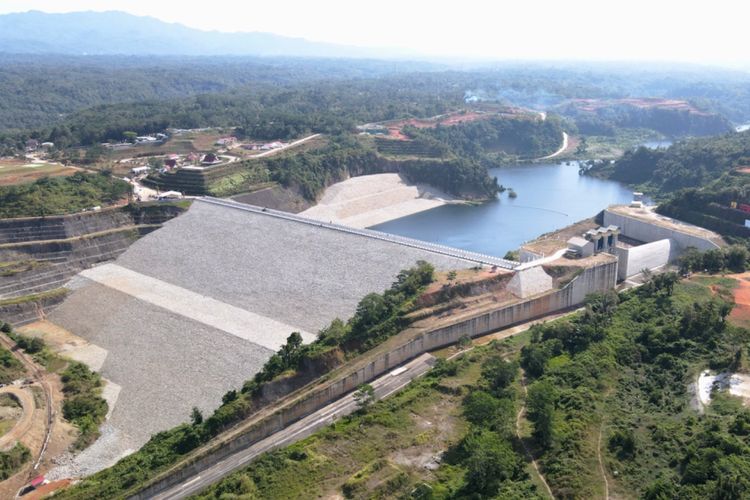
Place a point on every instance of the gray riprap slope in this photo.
(165, 363)
(295, 273)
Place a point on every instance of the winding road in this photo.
(26, 398)
(559, 151)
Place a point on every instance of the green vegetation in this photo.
(378, 317)
(10, 367)
(83, 406)
(12, 460)
(598, 147)
(343, 156)
(460, 415)
(733, 258)
(687, 164)
(611, 116)
(61, 195)
(496, 138)
(623, 367)
(34, 297)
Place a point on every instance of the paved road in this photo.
(384, 387)
(477, 258)
(286, 146)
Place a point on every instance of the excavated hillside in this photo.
(38, 255)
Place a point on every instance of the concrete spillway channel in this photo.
(478, 258)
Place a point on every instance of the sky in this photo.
(650, 30)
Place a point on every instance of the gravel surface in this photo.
(168, 359)
(295, 273)
(369, 200)
(164, 363)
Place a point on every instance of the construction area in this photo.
(194, 309)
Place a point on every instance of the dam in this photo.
(194, 309)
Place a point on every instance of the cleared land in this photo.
(369, 200)
(18, 172)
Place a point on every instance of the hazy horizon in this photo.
(575, 31)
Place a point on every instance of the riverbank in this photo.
(368, 200)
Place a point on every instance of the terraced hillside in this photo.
(38, 255)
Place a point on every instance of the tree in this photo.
(480, 407)
(196, 417)
(691, 260)
(541, 409)
(364, 396)
(713, 260)
(491, 460)
(130, 136)
(583, 146)
(452, 275)
(736, 258)
(499, 373)
(290, 351)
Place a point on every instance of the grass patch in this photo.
(11, 461)
(35, 297)
(83, 405)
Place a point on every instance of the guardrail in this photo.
(457, 253)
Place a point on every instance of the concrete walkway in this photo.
(244, 324)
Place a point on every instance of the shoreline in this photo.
(368, 200)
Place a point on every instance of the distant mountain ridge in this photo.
(112, 32)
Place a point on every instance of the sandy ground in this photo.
(370, 200)
(738, 385)
(26, 398)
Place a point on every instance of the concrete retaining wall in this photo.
(595, 279)
(649, 256)
(647, 232)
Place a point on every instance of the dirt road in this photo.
(37, 375)
(26, 398)
(559, 151)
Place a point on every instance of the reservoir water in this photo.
(550, 196)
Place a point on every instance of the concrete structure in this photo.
(580, 247)
(632, 260)
(603, 238)
(643, 224)
(197, 307)
(529, 282)
(655, 240)
(597, 278)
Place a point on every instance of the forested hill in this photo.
(41, 91)
(269, 112)
(670, 117)
(686, 164)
